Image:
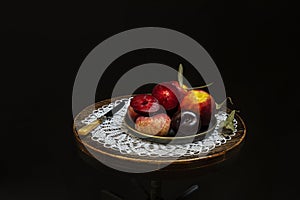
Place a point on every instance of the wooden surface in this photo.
(96, 150)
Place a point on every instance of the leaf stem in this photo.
(218, 106)
(180, 75)
(199, 87)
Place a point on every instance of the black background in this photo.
(42, 47)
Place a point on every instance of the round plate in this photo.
(168, 139)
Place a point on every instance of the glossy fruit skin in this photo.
(179, 91)
(158, 125)
(145, 104)
(169, 94)
(163, 92)
(201, 103)
(186, 123)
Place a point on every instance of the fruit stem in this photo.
(199, 87)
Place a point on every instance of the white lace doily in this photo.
(111, 134)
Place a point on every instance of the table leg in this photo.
(155, 190)
(188, 192)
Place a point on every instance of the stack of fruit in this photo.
(171, 109)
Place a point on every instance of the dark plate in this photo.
(168, 139)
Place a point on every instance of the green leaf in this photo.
(228, 123)
(180, 75)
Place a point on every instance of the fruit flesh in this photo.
(156, 125)
(132, 114)
(144, 104)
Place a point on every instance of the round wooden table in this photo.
(123, 161)
(93, 152)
